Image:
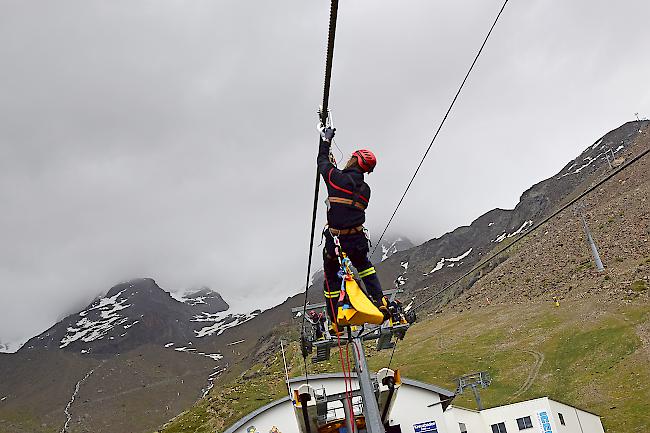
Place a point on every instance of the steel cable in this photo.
(444, 119)
(326, 92)
(534, 228)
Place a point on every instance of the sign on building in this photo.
(544, 421)
(426, 427)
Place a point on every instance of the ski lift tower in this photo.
(579, 211)
(475, 381)
(377, 393)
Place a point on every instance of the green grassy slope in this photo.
(585, 353)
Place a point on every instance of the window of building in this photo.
(499, 428)
(462, 427)
(561, 418)
(524, 423)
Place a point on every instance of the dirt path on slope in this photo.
(643, 331)
(532, 374)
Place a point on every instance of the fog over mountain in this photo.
(177, 140)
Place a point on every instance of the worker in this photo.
(348, 196)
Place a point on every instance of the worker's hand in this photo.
(327, 133)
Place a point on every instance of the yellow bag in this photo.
(362, 309)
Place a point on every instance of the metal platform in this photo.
(385, 334)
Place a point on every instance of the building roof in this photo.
(416, 383)
(445, 395)
(253, 414)
(525, 401)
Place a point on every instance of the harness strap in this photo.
(347, 201)
(343, 232)
(347, 191)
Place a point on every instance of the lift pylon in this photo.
(376, 393)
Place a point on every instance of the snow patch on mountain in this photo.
(452, 261)
(521, 229)
(185, 299)
(221, 322)
(589, 160)
(185, 349)
(387, 251)
(596, 144)
(105, 313)
(213, 356)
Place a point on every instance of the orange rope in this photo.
(347, 375)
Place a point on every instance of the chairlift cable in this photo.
(444, 119)
(534, 228)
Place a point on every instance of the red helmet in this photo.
(366, 160)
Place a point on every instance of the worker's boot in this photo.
(383, 306)
(335, 330)
(397, 313)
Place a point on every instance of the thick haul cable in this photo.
(323, 118)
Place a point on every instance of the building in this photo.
(532, 416)
(423, 408)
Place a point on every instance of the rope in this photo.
(347, 375)
(326, 92)
(535, 227)
(444, 119)
(390, 361)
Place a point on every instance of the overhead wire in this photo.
(534, 228)
(444, 119)
(435, 136)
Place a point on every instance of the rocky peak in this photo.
(132, 313)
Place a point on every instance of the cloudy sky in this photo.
(176, 139)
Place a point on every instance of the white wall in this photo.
(411, 407)
(509, 414)
(576, 420)
(471, 418)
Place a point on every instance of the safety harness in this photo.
(357, 201)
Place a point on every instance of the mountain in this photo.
(440, 261)
(136, 351)
(390, 245)
(502, 317)
(132, 314)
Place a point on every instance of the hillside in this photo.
(590, 352)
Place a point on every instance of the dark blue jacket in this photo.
(347, 184)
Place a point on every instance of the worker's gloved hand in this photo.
(327, 133)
